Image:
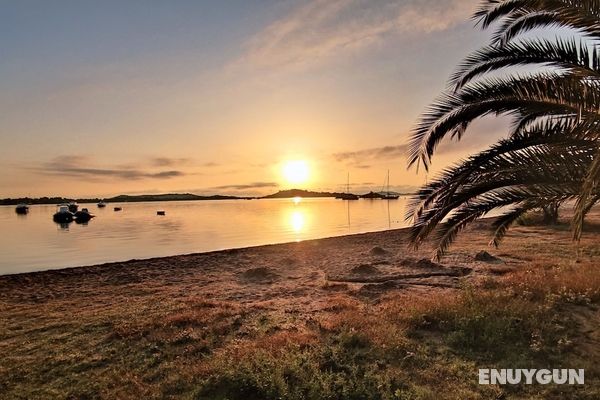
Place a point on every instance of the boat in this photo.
(73, 207)
(387, 195)
(347, 195)
(63, 215)
(161, 212)
(118, 208)
(101, 204)
(83, 215)
(22, 208)
(372, 195)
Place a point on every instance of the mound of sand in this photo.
(378, 251)
(364, 269)
(259, 274)
(486, 257)
(423, 263)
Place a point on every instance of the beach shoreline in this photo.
(182, 316)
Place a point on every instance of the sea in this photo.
(34, 242)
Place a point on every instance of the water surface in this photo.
(34, 242)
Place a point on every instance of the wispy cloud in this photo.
(254, 185)
(81, 166)
(320, 30)
(175, 162)
(168, 161)
(246, 186)
(377, 153)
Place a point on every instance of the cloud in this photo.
(168, 161)
(320, 30)
(171, 162)
(377, 153)
(254, 185)
(79, 166)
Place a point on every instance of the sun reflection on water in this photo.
(297, 221)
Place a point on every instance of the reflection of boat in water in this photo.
(83, 216)
(347, 195)
(22, 208)
(63, 215)
(101, 204)
(73, 207)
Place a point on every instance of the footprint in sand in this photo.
(378, 251)
(364, 269)
(260, 275)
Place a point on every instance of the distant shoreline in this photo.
(284, 194)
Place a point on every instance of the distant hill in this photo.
(43, 200)
(286, 194)
(124, 198)
(167, 197)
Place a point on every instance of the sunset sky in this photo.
(99, 98)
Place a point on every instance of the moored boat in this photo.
(101, 204)
(73, 207)
(83, 215)
(347, 195)
(387, 195)
(63, 215)
(118, 208)
(161, 212)
(22, 208)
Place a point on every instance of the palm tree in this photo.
(552, 153)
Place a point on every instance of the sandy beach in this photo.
(158, 327)
(296, 276)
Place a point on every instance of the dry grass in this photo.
(165, 335)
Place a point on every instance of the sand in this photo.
(294, 276)
(143, 328)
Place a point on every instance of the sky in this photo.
(112, 97)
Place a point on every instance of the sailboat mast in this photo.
(348, 184)
(388, 182)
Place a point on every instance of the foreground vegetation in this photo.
(151, 340)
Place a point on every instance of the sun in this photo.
(296, 172)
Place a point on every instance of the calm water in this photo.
(34, 242)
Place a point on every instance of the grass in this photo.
(403, 346)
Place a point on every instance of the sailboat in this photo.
(387, 195)
(347, 195)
